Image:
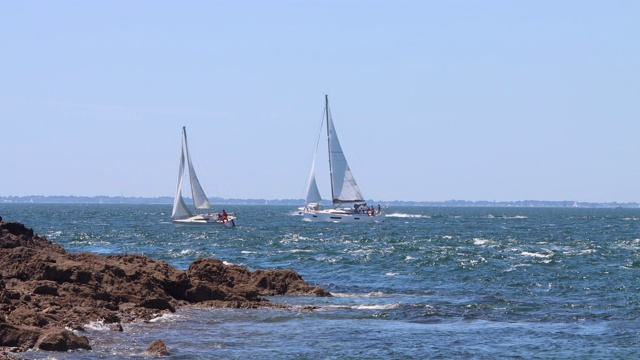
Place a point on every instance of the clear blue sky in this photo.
(433, 100)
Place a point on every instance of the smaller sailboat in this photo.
(181, 213)
(344, 189)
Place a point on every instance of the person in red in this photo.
(224, 215)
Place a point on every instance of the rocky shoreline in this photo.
(47, 294)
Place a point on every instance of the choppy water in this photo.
(427, 283)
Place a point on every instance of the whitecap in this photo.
(538, 255)
(354, 295)
(376, 307)
(298, 251)
(402, 215)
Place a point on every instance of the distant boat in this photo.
(181, 214)
(344, 189)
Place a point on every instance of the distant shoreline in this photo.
(167, 200)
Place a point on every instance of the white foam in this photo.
(376, 307)
(402, 215)
(165, 318)
(352, 295)
(538, 255)
(97, 326)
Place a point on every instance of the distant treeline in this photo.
(298, 202)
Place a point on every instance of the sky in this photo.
(497, 100)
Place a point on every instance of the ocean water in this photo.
(429, 282)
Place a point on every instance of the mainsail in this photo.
(344, 188)
(200, 201)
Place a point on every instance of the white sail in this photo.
(343, 185)
(312, 193)
(344, 188)
(200, 200)
(180, 209)
(185, 215)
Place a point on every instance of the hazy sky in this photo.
(432, 100)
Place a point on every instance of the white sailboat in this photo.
(344, 189)
(181, 213)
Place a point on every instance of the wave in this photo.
(480, 241)
(357, 307)
(537, 255)
(376, 307)
(402, 215)
(507, 217)
(165, 318)
(356, 295)
(98, 326)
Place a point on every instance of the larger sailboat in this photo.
(181, 213)
(344, 189)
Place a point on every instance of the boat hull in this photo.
(340, 216)
(206, 220)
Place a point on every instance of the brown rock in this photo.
(62, 340)
(43, 288)
(20, 337)
(158, 348)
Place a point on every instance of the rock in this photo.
(18, 336)
(158, 348)
(62, 340)
(44, 288)
(158, 304)
(284, 282)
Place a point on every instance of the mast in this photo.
(326, 110)
(186, 146)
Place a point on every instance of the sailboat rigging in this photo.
(344, 189)
(181, 213)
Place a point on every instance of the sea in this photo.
(427, 283)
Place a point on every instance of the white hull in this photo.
(213, 219)
(340, 216)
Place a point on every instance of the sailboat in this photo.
(344, 189)
(181, 213)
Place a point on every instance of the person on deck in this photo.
(224, 216)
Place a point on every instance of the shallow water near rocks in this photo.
(429, 282)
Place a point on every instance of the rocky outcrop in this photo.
(45, 290)
(158, 348)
